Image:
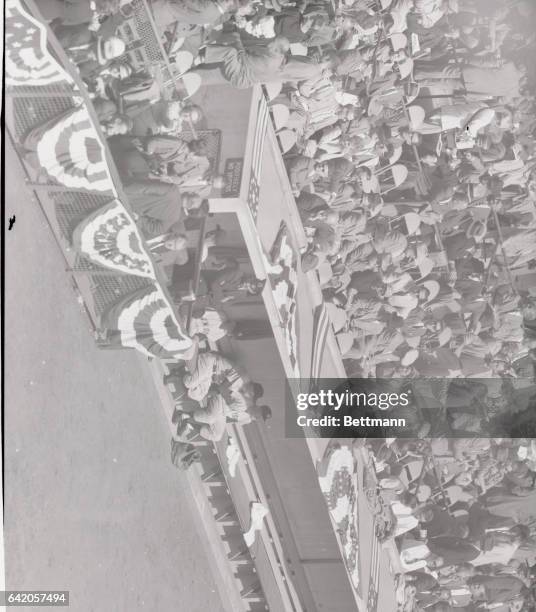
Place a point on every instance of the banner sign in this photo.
(232, 177)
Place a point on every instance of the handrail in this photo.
(197, 270)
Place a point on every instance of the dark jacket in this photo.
(157, 204)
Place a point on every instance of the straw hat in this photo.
(192, 82)
(405, 68)
(413, 222)
(183, 61)
(432, 287)
(425, 492)
(109, 48)
(345, 341)
(409, 358)
(477, 230)
(337, 316)
(375, 107)
(444, 336)
(411, 91)
(398, 41)
(425, 265)
(413, 341)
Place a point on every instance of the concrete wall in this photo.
(222, 105)
(289, 476)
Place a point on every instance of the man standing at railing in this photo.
(76, 12)
(89, 50)
(160, 207)
(192, 12)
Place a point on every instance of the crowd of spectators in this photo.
(411, 157)
(462, 514)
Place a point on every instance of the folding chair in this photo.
(397, 154)
(280, 115)
(392, 177)
(272, 90)
(398, 41)
(183, 61)
(155, 244)
(287, 139)
(298, 49)
(191, 82)
(416, 116)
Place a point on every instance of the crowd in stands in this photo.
(462, 513)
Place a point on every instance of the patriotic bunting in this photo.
(321, 325)
(283, 279)
(110, 238)
(257, 156)
(28, 61)
(70, 150)
(338, 483)
(145, 320)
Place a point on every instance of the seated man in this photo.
(163, 116)
(496, 589)
(103, 82)
(116, 125)
(232, 283)
(193, 12)
(90, 50)
(302, 172)
(240, 398)
(210, 422)
(242, 65)
(161, 207)
(75, 12)
(111, 121)
(211, 368)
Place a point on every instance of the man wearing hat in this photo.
(88, 49)
(159, 206)
(192, 12)
(242, 65)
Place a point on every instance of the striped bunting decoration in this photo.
(338, 483)
(374, 580)
(283, 279)
(257, 155)
(320, 333)
(69, 149)
(144, 320)
(110, 238)
(28, 62)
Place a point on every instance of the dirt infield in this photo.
(92, 502)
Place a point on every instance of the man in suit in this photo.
(90, 50)
(161, 207)
(68, 12)
(192, 12)
(496, 589)
(241, 64)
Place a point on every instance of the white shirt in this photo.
(501, 554)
